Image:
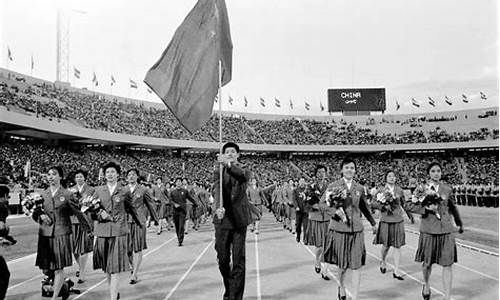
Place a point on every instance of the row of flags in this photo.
(77, 74)
(10, 57)
(447, 100)
(277, 103)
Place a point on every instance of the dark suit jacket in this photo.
(180, 196)
(116, 205)
(235, 179)
(299, 199)
(59, 208)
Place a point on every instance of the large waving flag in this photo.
(186, 77)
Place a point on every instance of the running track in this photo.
(277, 268)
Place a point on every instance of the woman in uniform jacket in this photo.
(345, 243)
(54, 251)
(256, 198)
(391, 229)
(111, 246)
(143, 203)
(83, 241)
(317, 227)
(436, 244)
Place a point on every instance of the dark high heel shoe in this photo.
(398, 277)
(383, 270)
(426, 296)
(341, 297)
(317, 269)
(325, 277)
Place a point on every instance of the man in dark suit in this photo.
(301, 208)
(231, 220)
(179, 197)
(4, 212)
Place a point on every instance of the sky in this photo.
(285, 49)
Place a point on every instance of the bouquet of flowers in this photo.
(93, 205)
(313, 194)
(425, 197)
(386, 200)
(336, 198)
(33, 204)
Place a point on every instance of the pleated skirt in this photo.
(136, 238)
(436, 249)
(54, 253)
(345, 249)
(390, 234)
(110, 254)
(83, 242)
(160, 210)
(316, 233)
(255, 211)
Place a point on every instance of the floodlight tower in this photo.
(62, 47)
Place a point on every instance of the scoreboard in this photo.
(362, 99)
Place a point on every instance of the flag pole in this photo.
(220, 134)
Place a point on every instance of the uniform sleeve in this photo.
(239, 173)
(364, 209)
(149, 202)
(454, 209)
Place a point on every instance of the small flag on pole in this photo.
(9, 54)
(230, 100)
(32, 63)
(306, 105)
(149, 91)
(76, 73)
(291, 104)
(262, 102)
(94, 80)
(397, 105)
(277, 102)
(186, 77)
(245, 101)
(321, 106)
(483, 96)
(113, 81)
(465, 99)
(414, 102)
(133, 84)
(447, 100)
(432, 102)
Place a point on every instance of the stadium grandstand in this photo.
(45, 123)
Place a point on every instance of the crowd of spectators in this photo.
(95, 112)
(471, 168)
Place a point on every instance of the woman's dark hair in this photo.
(134, 170)
(80, 171)
(58, 169)
(433, 164)
(388, 172)
(347, 161)
(319, 167)
(230, 145)
(112, 165)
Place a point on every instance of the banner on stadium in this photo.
(356, 99)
